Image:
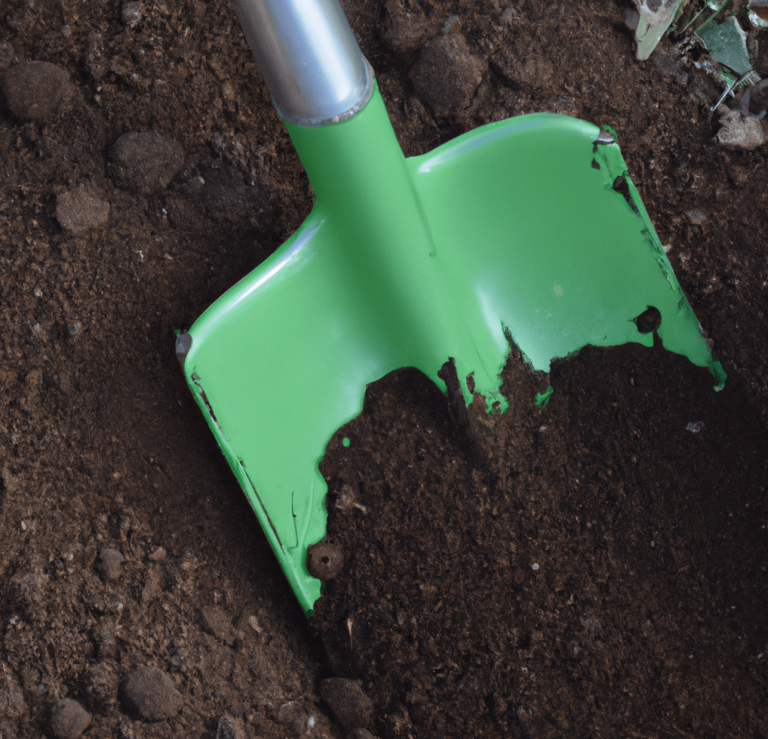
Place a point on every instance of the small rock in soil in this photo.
(217, 623)
(80, 210)
(230, 728)
(12, 705)
(33, 89)
(324, 560)
(447, 74)
(110, 563)
(131, 13)
(351, 707)
(361, 734)
(151, 693)
(102, 685)
(145, 162)
(739, 130)
(69, 719)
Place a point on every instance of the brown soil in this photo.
(595, 567)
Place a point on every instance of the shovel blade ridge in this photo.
(528, 227)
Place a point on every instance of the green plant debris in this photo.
(727, 43)
(652, 19)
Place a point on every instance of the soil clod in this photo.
(69, 719)
(351, 707)
(110, 563)
(217, 623)
(102, 685)
(447, 74)
(145, 161)
(81, 209)
(33, 90)
(152, 694)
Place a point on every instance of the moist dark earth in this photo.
(595, 567)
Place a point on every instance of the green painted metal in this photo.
(513, 229)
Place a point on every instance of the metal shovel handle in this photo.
(309, 57)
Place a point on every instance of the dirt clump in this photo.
(69, 719)
(33, 90)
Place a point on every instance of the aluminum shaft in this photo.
(309, 57)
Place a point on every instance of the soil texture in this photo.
(592, 567)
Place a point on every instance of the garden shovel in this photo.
(528, 228)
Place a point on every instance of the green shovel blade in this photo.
(529, 227)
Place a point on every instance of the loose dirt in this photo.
(593, 567)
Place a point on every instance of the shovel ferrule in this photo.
(309, 58)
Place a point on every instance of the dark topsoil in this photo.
(592, 568)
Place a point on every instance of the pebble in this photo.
(131, 13)
(361, 734)
(69, 719)
(738, 130)
(110, 563)
(151, 692)
(351, 707)
(216, 621)
(102, 685)
(80, 209)
(697, 216)
(12, 705)
(230, 728)
(324, 560)
(447, 74)
(145, 162)
(33, 89)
